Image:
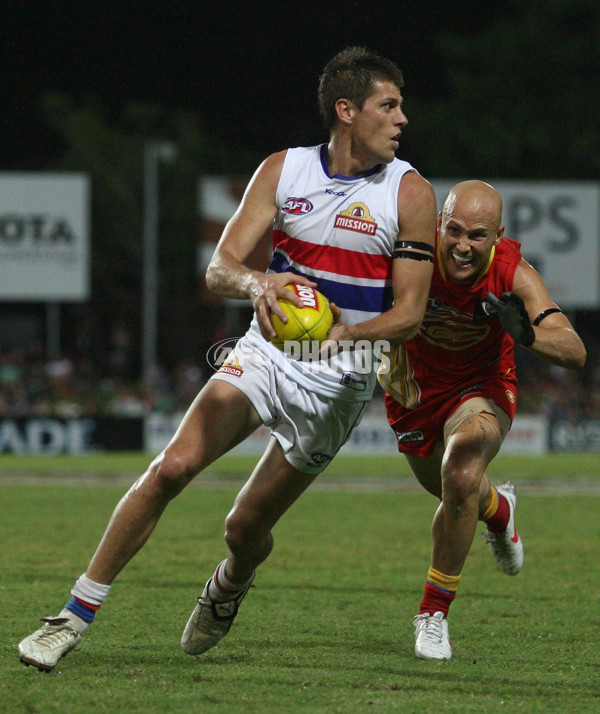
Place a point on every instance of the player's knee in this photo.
(238, 531)
(243, 532)
(460, 481)
(171, 473)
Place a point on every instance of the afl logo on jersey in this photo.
(297, 206)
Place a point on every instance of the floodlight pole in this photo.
(154, 152)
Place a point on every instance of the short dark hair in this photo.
(351, 74)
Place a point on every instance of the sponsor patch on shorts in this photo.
(319, 459)
(471, 391)
(352, 380)
(408, 437)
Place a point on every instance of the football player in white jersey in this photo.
(310, 409)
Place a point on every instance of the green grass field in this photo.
(328, 627)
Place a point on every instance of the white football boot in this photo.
(507, 546)
(432, 640)
(44, 648)
(210, 621)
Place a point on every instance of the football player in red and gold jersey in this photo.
(451, 391)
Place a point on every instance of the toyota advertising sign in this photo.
(44, 237)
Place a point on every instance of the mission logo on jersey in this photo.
(356, 218)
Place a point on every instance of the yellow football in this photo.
(311, 322)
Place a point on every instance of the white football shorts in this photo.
(311, 428)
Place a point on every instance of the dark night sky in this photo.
(249, 70)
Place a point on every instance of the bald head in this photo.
(469, 227)
(477, 198)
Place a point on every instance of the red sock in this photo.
(436, 599)
(499, 521)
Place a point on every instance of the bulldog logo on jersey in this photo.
(356, 218)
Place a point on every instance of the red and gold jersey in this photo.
(461, 349)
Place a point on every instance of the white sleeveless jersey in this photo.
(340, 232)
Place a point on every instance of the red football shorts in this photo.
(419, 430)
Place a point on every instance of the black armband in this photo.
(544, 314)
(412, 256)
(413, 245)
(406, 249)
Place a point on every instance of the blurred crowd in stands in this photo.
(76, 384)
(84, 382)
